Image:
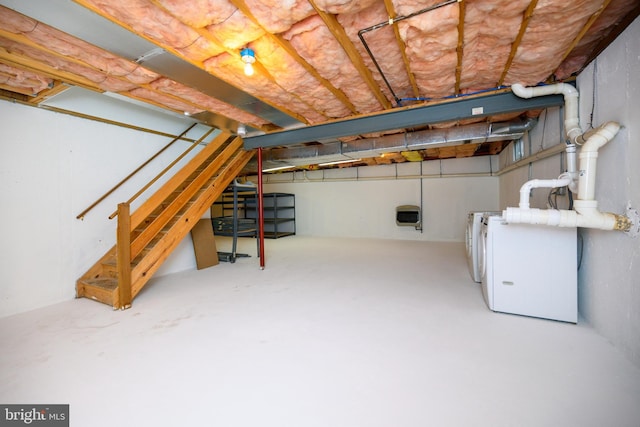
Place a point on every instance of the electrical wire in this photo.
(570, 196)
(595, 88)
(552, 198)
(580, 248)
(554, 193)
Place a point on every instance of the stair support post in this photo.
(123, 251)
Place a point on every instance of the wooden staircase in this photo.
(146, 237)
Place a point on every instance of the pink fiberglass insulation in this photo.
(384, 47)
(176, 89)
(166, 100)
(292, 76)
(15, 22)
(431, 39)
(278, 16)
(81, 72)
(600, 28)
(230, 69)
(74, 49)
(490, 28)
(343, 6)
(149, 20)
(331, 61)
(202, 49)
(91, 55)
(199, 13)
(25, 81)
(236, 31)
(553, 26)
(407, 7)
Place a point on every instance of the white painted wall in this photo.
(609, 277)
(52, 166)
(361, 202)
(610, 274)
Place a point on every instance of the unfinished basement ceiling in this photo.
(334, 79)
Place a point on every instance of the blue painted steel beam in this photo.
(410, 117)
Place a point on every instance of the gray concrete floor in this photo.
(334, 332)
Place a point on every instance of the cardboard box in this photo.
(204, 244)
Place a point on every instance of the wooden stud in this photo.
(460, 46)
(516, 43)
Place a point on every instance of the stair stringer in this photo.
(149, 264)
(99, 284)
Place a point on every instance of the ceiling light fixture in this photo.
(339, 162)
(248, 57)
(277, 168)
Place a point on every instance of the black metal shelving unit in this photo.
(229, 217)
(279, 214)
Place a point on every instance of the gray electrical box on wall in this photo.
(408, 215)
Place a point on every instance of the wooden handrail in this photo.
(108, 193)
(165, 170)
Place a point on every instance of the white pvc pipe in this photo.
(571, 122)
(558, 218)
(591, 217)
(588, 159)
(588, 217)
(586, 213)
(526, 188)
(572, 169)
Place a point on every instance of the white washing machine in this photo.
(472, 240)
(529, 270)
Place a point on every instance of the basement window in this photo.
(518, 150)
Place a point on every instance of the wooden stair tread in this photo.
(106, 283)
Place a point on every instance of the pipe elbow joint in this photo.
(521, 91)
(568, 90)
(600, 137)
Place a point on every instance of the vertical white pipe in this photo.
(588, 159)
(572, 168)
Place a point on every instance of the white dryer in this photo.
(529, 270)
(472, 241)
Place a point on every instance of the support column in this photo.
(260, 211)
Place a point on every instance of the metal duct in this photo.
(374, 147)
(305, 155)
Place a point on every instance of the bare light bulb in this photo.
(248, 57)
(248, 69)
